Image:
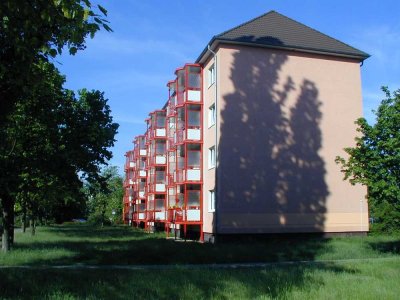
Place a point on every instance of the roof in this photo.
(274, 30)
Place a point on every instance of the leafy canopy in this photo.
(49, 137)
(105, 203)
(40, 29)
(375, 161)
(57, 138)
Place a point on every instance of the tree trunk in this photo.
(24, 221)
(103, 216)
(23, 215)
(12, 223)
(33, 226)
(8, 207)
(5, 240)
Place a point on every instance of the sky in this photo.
(152, 38)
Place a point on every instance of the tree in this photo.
(39, 29)
(104, 199)
(375, 161)
(31, 33)
(57, 139)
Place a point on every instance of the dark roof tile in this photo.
(275, 30)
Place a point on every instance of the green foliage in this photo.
(34, 30)
(375, 162)
(97, 218)
(50, 147)
(48, 135)
(104, 198)
(57, 140)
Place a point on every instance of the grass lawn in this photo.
(79, 244)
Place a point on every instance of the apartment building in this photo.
(247, 139)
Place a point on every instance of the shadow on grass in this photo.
(89, 231)
(275, 282)
(121, 245)
(392, 247)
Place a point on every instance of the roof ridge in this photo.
(247, 22)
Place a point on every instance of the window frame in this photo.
(211, 157)
(211, 200)
(211, 75)
(212, 115)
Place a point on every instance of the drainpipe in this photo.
(216, 189)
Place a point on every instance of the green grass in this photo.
(63, 245)
(359, 280)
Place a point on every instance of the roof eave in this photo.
(215, 41)
(204, 54)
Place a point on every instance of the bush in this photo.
(98, 219)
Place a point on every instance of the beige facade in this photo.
(247, 140)
(209, 140)
(282, 118)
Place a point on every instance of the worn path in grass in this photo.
(200, 266)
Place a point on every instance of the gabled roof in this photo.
(274, 30)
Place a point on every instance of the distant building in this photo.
(247, 140)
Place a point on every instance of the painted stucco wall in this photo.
(283, 118)
(208, 141)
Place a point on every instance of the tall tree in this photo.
(375, 161)
(31, 32)
(57, 138)
(39, 29)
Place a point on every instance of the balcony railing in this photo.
(180, 215)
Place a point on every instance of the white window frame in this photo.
(212, 116)
(211, 157)
(211, 75)
(211, 200)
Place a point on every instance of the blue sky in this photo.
(152, 38)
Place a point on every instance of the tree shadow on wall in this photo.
(271, 176)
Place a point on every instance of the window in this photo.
(193, 159)
(211, 115)
(211, 201)
(193, 198)
(193, 114)
(211, 157)
(211, 75)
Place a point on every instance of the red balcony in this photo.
(167, 159)
(189, 163)
(141, 165)
(157, 125)
(140, 146)
(189, 84)
(157, 153)
(157, 180)
(130, 160)
(172, 98)
(141, 211)
(156, 208)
